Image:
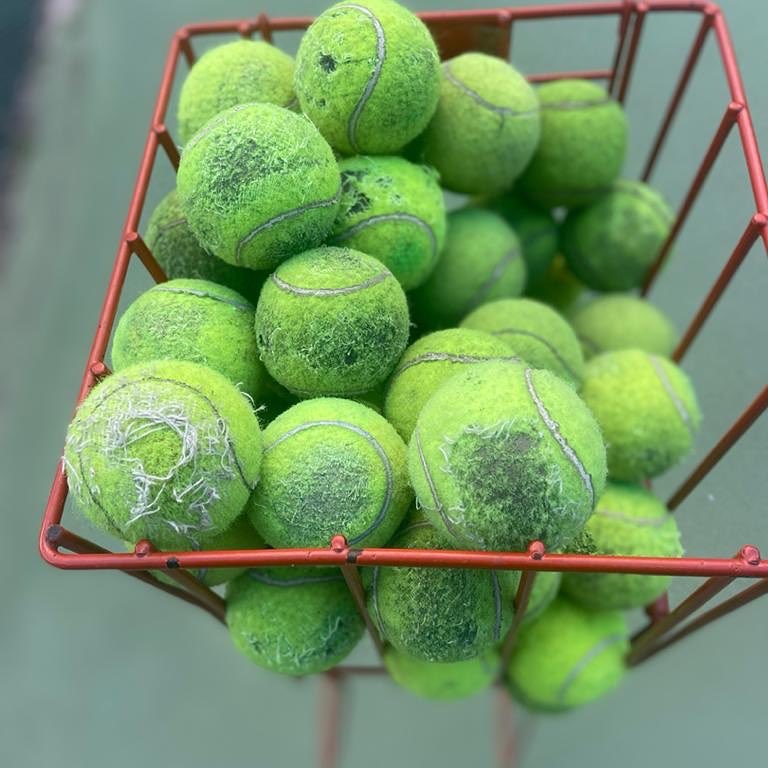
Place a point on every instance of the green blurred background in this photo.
(97, 669)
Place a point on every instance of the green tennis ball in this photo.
(647, 409)
(568, 657)
(611, 244)
(559, 288)
(582, 145)
(440, 614)
(393, 210)
(486, 126)
(545, 589)
(535, 332)
(615, 322)
(330, 466)
(177, 251)
(481, 261)
(296, 621)
(331, 321)
(444, 681)
(242, 72)
(258, 184)
(168, 451)
(628, 520)
(429, 362)
(192, 320)
(503, 455)
(368, 76)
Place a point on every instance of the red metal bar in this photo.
(506, 731)
(141, 249)
(167, 143)
(185, 46)
(584, 74)
(641, 10)
(329, 718)
(621, 41)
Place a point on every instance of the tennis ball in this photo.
(330, 466)
(568, 657)
(368, 76)
(258, 184)
(168, 451)
(177, 251)
(582, 145)
(241, 72)
(440, 614)
(558, 288)
(647, 409)
(481, 261)
(535, 332)
(546, 586)
(611, 244)
(503, 455)
(429, 362)
(331, 321)
(296, 621)
(616, 322)
(628, 520)
(486, 126)
(444, 681)
(192, 320)
(393, 210)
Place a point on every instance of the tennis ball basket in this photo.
(455, 32)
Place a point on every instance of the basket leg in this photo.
(329, 720)
(507, 748)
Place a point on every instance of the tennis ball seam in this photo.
(661, 374)
(487, 285)
(642, 194)
(397, 216)
(373, 442)
(584, 662)
(284, 216)
(543, 341)
(287, 287)
(449, 357)
(165, 228)
(273, 582)
(554, 430)
(243, 306)
(213, 124)
(594, 347)
(477, 98)
(568, 104)
(497, 623)
(642, 522)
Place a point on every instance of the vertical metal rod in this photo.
(504, 20)
(522, 599)
(186, 47)
(167, 143)
(641, 9)
(328, 720)
(138, 246)
(506, 731)
(621, 41)
(264, 27)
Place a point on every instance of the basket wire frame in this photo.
(455, 32)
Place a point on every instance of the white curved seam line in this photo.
(347, 289)
(485, 287)
(244, 306)
(272, 582)
(449, 357)
(670, 390)
(475, 96)
(583, 662)
(371, 220)
(552, 349)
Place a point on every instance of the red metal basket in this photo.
(455, 32)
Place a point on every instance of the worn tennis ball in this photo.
(534, 332)
(428, 363)
(647, 409)
(296, 621)
(503, 455)
(331, 321)
(440, 614)
(177, 251)
(568, 657)
(558, 288)
(486, 126)
(241, 72)
(444, 681)
(168, 451)
(258, 184)
(481, 261)
(331, 466)
(613, 322)
(628, 520)
(611, 244)
(193, 320)
(393, 210)
(582, 145)
(368, 76)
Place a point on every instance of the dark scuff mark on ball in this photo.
(327, 62)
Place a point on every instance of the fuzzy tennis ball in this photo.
(628, 520)
(242, 72)
(393, 210)
(296, 621)
(331, 321)
(486, 126)
(192, 320)
(444, 681)
(616, 322)
(647, 409)
(429, 362)
(568, 657)
(177, 251)
(611, 244)
(534, 332)
(558, 288)
(481, 261)
(582, 145)
(503, 455)
(546, 586)
(257, 184)
(168, 451)
(440, 614)
(330, 466)
(368, 76)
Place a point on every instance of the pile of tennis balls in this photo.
(334, 353)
